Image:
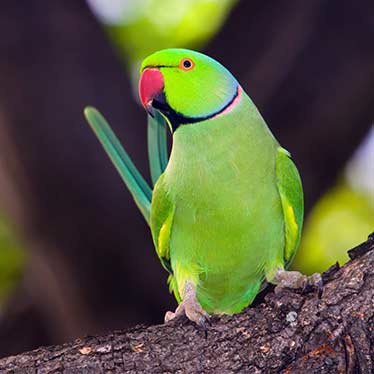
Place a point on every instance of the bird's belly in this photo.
(226, 234)
(224, 231)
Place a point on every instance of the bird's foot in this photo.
(191, 308)
(295, 280)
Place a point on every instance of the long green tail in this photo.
(134, 181)
(157, 146)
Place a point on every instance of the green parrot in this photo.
(226, 210)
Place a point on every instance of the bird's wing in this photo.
(134, 181)
(291, 193)
(161, 223)
(157, 146)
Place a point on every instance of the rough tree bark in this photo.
(290, 332)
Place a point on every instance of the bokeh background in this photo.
(76, 257)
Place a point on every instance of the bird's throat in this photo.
(176, 119)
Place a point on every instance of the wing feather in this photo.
(291, 193)
(161, 223)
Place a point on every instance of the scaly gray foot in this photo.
(190, 307)
(294, 279)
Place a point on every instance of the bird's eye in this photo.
(186, 64)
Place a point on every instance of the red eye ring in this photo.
(186, 64)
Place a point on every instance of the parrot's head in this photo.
(186, 86)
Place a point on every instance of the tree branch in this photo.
(289, 332)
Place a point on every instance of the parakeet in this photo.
(226, 210)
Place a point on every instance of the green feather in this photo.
(157, 146)
(227, 212)
(161, 224)
(291, 194)
(136, 184)
(227, 227)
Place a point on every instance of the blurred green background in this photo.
(342, 218)
(11, 259)
(75, 256)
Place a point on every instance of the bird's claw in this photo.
(296, 280)
(191, 308)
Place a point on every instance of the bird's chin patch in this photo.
(159, 103)
(149, 108)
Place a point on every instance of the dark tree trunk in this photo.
(88, 245)
(289, 333)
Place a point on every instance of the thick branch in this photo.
(290, 332)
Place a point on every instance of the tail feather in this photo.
(134, 181)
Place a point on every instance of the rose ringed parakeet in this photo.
(226, 210)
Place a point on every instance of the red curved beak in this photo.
(151, 84)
